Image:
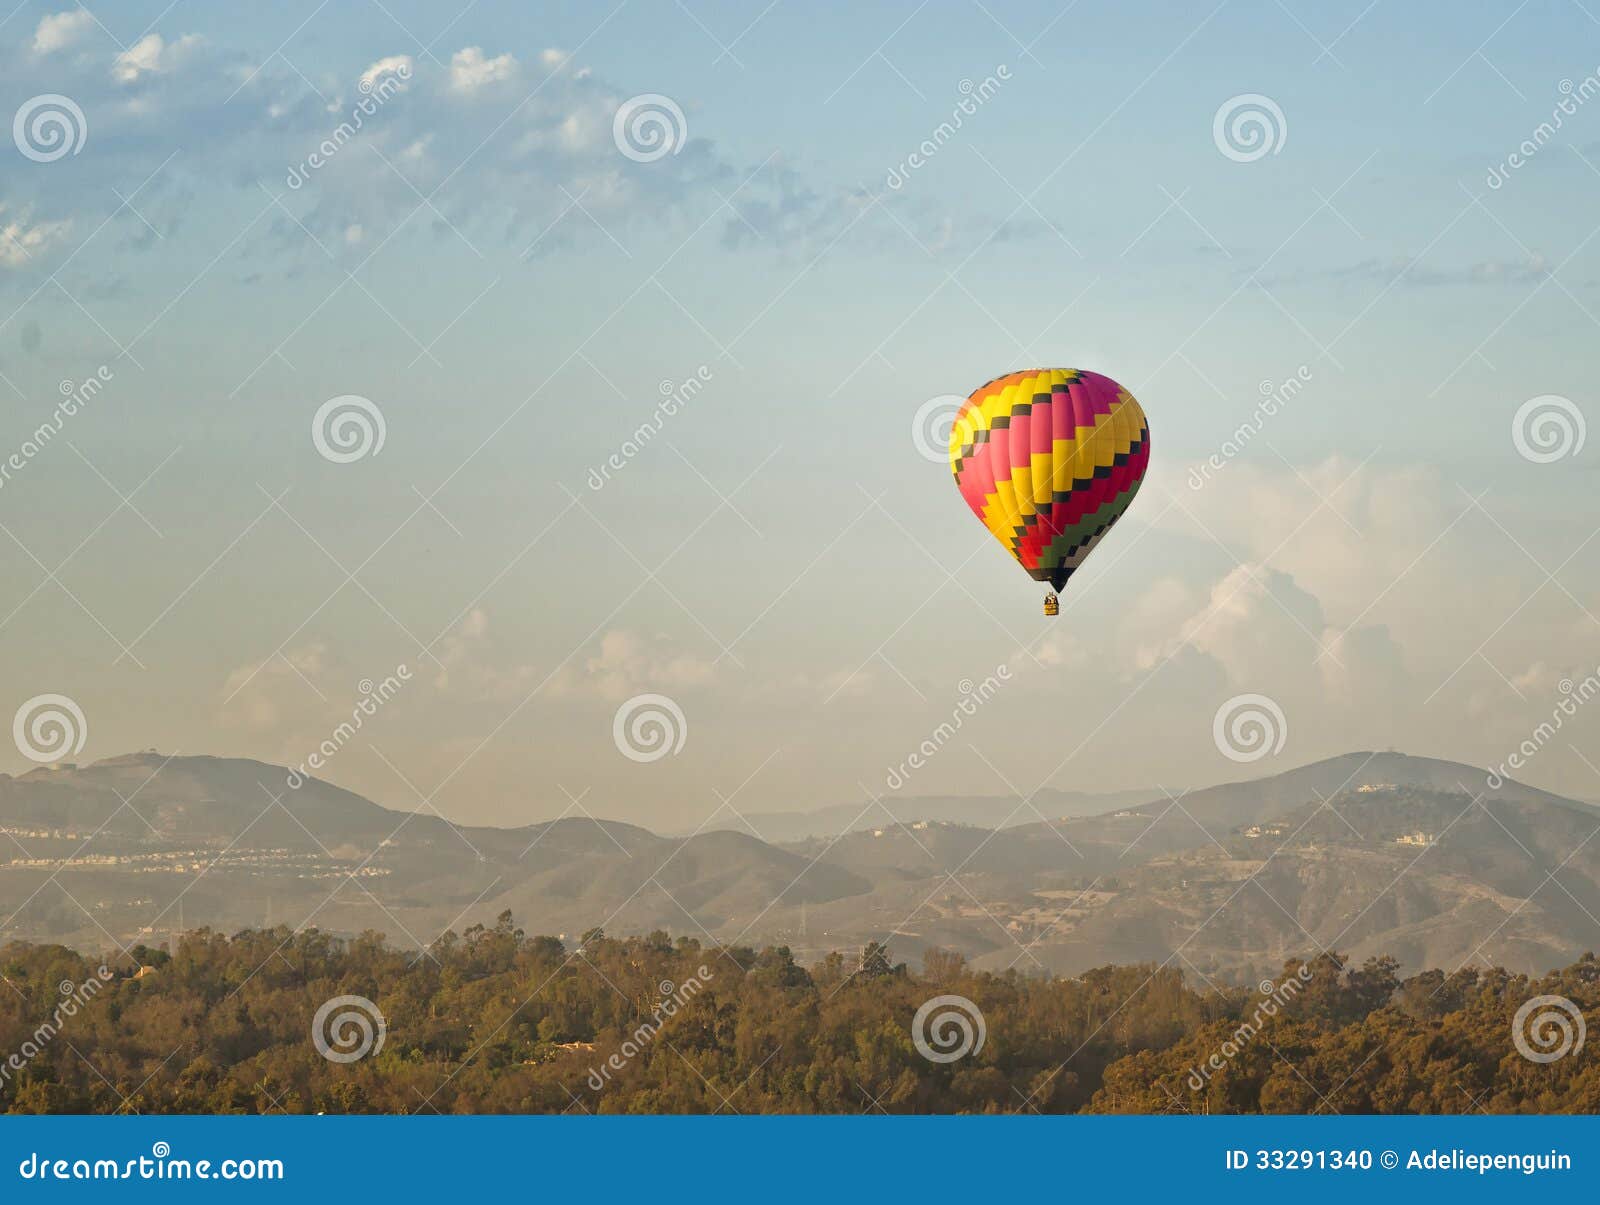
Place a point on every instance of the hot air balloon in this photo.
(1049, 459)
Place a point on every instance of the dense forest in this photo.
(492, 1020)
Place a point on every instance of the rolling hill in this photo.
(1366, 853)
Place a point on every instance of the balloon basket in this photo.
(1052, 605)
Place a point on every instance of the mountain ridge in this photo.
(117, 847)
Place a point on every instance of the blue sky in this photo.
(510, 292)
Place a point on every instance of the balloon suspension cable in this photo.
(1052, 605)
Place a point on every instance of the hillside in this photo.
(1368, 852)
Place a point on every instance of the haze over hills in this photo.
(992, 811)
(1366, 853)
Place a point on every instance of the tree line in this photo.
(495, 1021)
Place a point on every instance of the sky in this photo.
(359, 308)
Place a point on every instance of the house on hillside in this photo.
(1417, 838)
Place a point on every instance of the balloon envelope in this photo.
(1048, 459)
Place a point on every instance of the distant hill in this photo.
(1435, 878)
(1264, 798)
(985, 811)
(1366, 852)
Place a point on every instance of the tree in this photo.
(942, 966)
(875, 962)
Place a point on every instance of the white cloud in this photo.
(416, 153)
(401, 65)
(556, 145)
(21, 239)
(1343, 532)
(262, 697)
(1536, 677)
(1363, 666)
(457, 649)
(628, 664)
(625, 664)
(151, 55)
(1255, 619)
(1377, 605)
(474, 667)
(857, 683)
(60, 30)
(1159, 610)
(144, 55)
(470, 70)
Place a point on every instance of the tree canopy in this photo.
(492, 1020)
